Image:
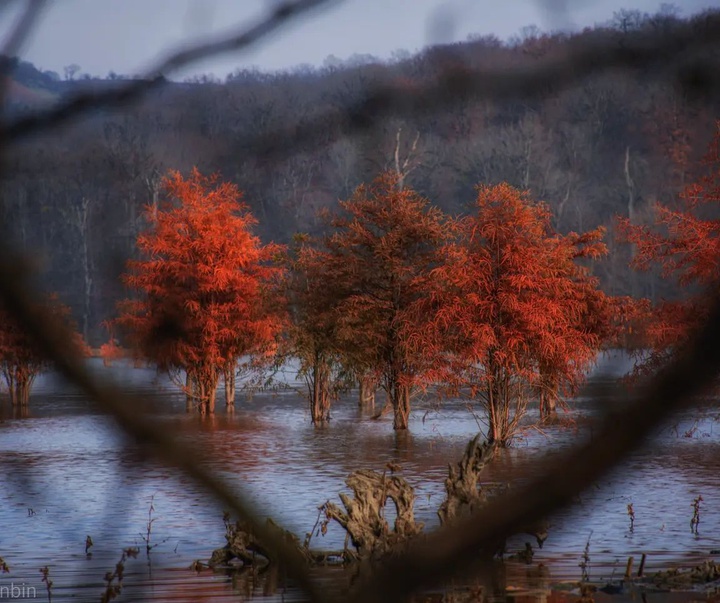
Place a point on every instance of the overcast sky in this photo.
(124, 35)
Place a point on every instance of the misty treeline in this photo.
(610, 145)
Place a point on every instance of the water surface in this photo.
(68, 473)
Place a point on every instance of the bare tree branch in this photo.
(24, 26)
(136, 89)
(17, 37)
(458, 83)
(442, 554)
(53, 337)
(446, 552)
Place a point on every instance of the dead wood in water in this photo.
(364, 515)
(463, 492)
(243, 544)
(363, 518)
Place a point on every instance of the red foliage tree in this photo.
(517, 314)
(685, 243)
(376, 268)
(312, 340)
(206, 287)
(21, 361)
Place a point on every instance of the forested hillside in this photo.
(612, 145)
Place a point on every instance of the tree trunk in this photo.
(22, 390)
(401, 406)
(19, 383)
(320, 397)
(548, 406)
(211, 400)
(548, 396)
(363, 515)
(229, 379)
(11, 388)
(462, 486)
(207, 392)
(498, 417)
(368, 386)
(190, 392)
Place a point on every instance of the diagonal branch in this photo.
(449, 551)
(133, 91)
(23, 27)
(457, 83)
(17, 38)
(52, 338)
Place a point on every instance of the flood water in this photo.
(67, 473)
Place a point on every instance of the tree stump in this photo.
(463, 492)
(363, 517)
(242, 544)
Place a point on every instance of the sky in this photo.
(125, 36)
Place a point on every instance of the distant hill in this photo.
(21, 94)
(27, 86)
(615, 143)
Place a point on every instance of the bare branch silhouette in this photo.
(17, 37)
(23, 28)
(442, 554)
(76, 106)
(458, 82)
(53, 339)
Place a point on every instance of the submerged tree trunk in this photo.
(462, 486)
(548, 396)
(19, 383)
(320, 393)
(368, 387)
(229, 380)
(401, 406)
(206, 388)
(363, 516)
(191, 393)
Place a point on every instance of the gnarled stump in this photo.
(242, 544)
(464, 494)
(364, 515)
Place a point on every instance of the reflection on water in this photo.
(67, 473)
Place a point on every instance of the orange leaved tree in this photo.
(377, 266)
(21, 361)
(205, 287)
(685, 242)
(518, 315)
(312, 297)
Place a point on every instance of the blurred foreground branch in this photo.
(128, 411)
(79, 105)
(446, 552)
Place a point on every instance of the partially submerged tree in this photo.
(205, 285)
(21, 359)
(514, 309)
(312, 339)
(685, 243)
(378, 262)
